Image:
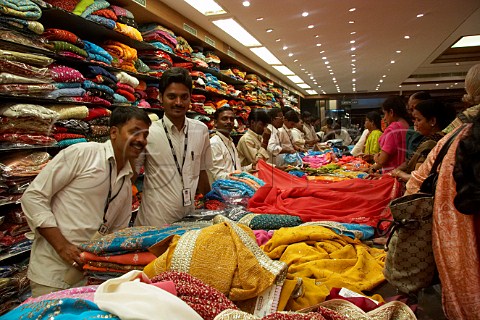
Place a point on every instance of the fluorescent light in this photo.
(295, 79)
(265, 55)
(303, 86)
(312, 92)
(468, 41)
(284, 70)
(206, 7)
(237, 32)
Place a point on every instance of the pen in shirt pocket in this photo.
(193, 155)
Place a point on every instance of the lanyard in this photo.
(231, 155)
(109, 197)
(180, 170)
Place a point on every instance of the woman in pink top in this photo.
(393, 140)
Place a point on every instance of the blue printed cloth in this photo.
(93, 49)
(66, 92)
(94, 70)
(108, 23)
(118, 98)
(88, 84)
(231, 188)
(97, 5)
(23, 9)
(69, 142)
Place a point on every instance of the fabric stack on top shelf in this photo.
(124, 56)
(21, 15)
(159, 36)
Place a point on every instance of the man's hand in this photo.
(71, 254)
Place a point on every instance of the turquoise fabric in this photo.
(23, 9)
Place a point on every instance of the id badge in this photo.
(103, 230)
(187, 199)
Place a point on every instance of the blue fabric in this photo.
(297, 173)
(65, 85)
(88, 84)
(367, 231)
(246, 175)
(26, 9)
(231, 188)
(67, 92)
(92, 48)
(108, 23)
(94, 70)
(58, 309)
(99, 58)
(97, 5)
(69, 142)
(131, 239)
(118, 98)
(161, 46)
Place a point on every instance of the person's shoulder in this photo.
(197, 124)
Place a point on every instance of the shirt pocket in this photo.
(195, 165)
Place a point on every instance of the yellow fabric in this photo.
(128, 31)
(222, 260)
(325, 260)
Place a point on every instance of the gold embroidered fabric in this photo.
(224, 256)
(394, 310)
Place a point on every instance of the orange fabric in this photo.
(455, 238)
(136, 259)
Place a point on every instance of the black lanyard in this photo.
(109, 197)
(231, 156)
(180, 170)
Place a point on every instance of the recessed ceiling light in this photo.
(353, 71)
(304, 14)
(284, 70)
(393, 61)
(352, 9)
(436, 84)
(285, 48)
(384, 76)
(334, 79)
(400, 86)
(278, 40)
(380, 81)
(354, 60)
(353, 32)
(259, 18)
(317, 36)
(352, 64)
(457, 64)
(295, 79)
(455, 83)
(312, 92)
(353, 80)
(324, 58)
(420, 15)
(303, 69)
(353, 48)
(319, 44)
(351, 21)
(323, 51)
(468, 41)
(269, 30)
(352, 41)
(295, 60)
(264, 54)
(353, 55)
(310, 26)
(236, 31)
(376, 89)
(319, 86)
(407, 37)
(207, 7)
(246, 3)
(290, 54)
(328, 67)
(398, 51)
(332, 73)
(326, 62)
(418, 85)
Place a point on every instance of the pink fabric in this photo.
(262, 236)
(394, 142)
(85, 293)
(65, 74)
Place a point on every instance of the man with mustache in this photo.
(84, 192)
(224, 154)
(177, 156)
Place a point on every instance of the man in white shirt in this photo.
(84, 191)
(224, 154)
(176, 158)
(310, 135)
(286, 139)
(274, 146)
(252, 147)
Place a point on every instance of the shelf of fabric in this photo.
(6, 256)
(27, 147)
(215, 94)
(220, 76)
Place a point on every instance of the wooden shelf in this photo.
(6, 256)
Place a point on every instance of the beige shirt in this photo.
(162, 200)
(274, 146)
(224, 157)
(310, 133)
(286, 139)
(70, 193)
(298, 138)
(250, 148)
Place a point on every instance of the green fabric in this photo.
(372, 146)
(65, 46)
(82, 6)
(274, 221)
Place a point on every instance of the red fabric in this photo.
(350, 201)
(106, 13)
(125, 87)
(135, 259)
(63, 136)
(97, 113)
(126, 94)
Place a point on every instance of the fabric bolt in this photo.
(129, 96)
(94, 49)
(27, 58)
(26, 89)
(70, 54)
(96, 70)
(125, 87)
(84, 165)
(28, 110)
(21, 164)
(23, 9)
(63, 136)
(101, 94)
(97, 112)
(393, 142)
(74, 126)
(26, 70)
(64, 85)
(69, 111)
(240, 270)
(118, 98)
(67, 92)
(128, 21)
(32, 139)
(8, 78)
(59, 46)
(233, 189)
(351, 230)
(88, 84)
(135, 259)
(106, 13)
(350, 201)
(96, 5)
(270, 221)
(119, 11)
(120, 50)
(69, 142)
(26, 125)
(108, 23)
(63, 35)
(125, 78)
(141, 66)
(128, 31)
(99, 131)
(162, 193)
(65, 74)
(21, 24)
(105, 81)
(207, 301)
(68, 5)
(94, 100)
(324, 260)
(81, 6)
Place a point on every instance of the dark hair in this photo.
(121, 115)
(306, 115)
(329, 121)
(175, 75)
(397, 104)
(272, 113)
(258, 115)
(220, 110)
(435, 109)
(421, 95)
(292, 115)
(466, 171)
(376, 118)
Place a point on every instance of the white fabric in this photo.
(28, 110)
(274, 146)
(130, 299)
(162, 200)
(70, 193)
(125, 78)
(250, 148)
(358, 148)
(224, 156)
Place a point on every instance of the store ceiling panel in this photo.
(356, 46)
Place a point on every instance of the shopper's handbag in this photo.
(410, 265)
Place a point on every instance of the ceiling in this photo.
(384, 59)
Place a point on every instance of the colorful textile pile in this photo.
(21, 15)
(124, 57)
(14, 286)
(98, 122)
(101, 86)
(157, 61)
(159, 36)
(65, 43)
(68, 83)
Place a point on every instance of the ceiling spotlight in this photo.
(269, 30)
(457, 64)
(353, 71)
(353, 48)
(328, 67)
(310, 26)
(278, 40)
(352, 64)
(400, 86)
(304, 14)
(384, 76)
(353, 41)
(418, 85)
(436, 84)
(303, 69)
(323, 51)
(317, 36)
(420, 15)
(407, 37)
(324, 58)
(326, 62)
(352, 9)
(295, 60)
(351, 21)
(246, 3)
(380, 81)
(290, 54)
(393, 61)
(331, 73)
(455, 83)
(285, 48)
(353, 32)
(334, 79)
(319, 44)
(398, 51)
(259, 18)
(353, 80)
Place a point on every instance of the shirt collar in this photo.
(253, 133)
(110, 155)
(223, 137)
(172, 127)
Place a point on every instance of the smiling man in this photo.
(177, 156)
(83, 192)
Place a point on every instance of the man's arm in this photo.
(67, 251)
(203, 183)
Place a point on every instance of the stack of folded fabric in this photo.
(85, 8)
(116, 253)
(68, 83)
(141, 95)
(183, 49)
(26, 124)
(160, 37)
(25, 74)
(157, 61)
(198, 58)
(212, 84)
(124, 57)
(72, 126)
(97, 54)
(105, 17)
(15, 286)
(126, 85)
(197, 103)
(100, 76)
(97, 120)
(65, 43)
(199, 79)
(21, 15)
(99, 89)
(239, 74)
(153, 95)
(68, 5)
(126, 91)
(125, 23)
(212, 60)
(65, 112)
